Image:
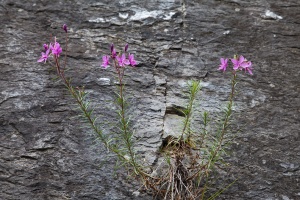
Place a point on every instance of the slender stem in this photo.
(187, 120)
(79, 99)
(204, 129)
(57, 66)
(227, 116)
(127, 137)
(193, 90)
(84, 109)
(65, 62)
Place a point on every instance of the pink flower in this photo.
(247, 66)
(105, 61)
(242, 64)
(224, 63)
(44, 56)
(131, 60)
(237, 62)
(122, 60)
(56, 49)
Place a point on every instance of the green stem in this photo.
(204, 129)
(65, 61)
(227, 118)
(124, 122)
(187, 120)
(193, 90)
(80, 101)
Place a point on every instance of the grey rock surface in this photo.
(46, 154)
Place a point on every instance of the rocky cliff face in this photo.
(46, 155)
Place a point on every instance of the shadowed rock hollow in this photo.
(46, 155)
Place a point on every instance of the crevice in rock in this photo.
(29, 157)
(175, 110)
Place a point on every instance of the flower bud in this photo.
(65, 27)
(45, 47)
(113, 51)
(126, 47)
(111, 48)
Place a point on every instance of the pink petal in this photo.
(241, 59)
(41, 60)
(246, 64)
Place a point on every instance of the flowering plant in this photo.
(189, 160)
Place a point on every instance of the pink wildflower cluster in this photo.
(121, 59)
(240, 63)
(54, 48)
